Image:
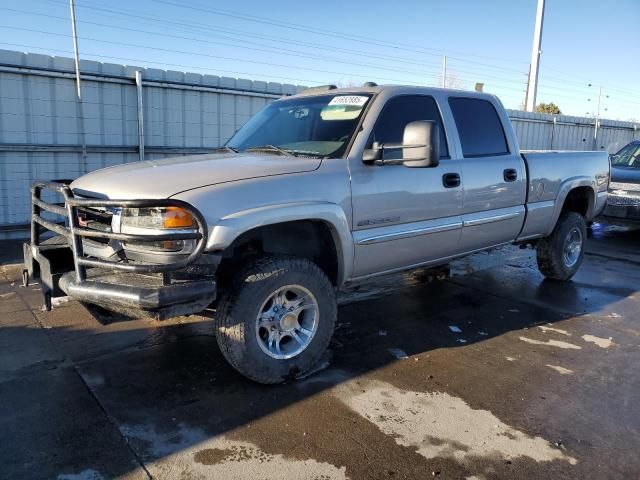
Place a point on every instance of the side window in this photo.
(479, 127)
(402, 110)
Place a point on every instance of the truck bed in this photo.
(551, 175)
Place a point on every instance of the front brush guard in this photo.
(118, 285)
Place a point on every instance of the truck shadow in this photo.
(167, 388)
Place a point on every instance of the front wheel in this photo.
(560, 254)
(276, 319)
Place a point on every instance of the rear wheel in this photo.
(276, 319)
(560, 254)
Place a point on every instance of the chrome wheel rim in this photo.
(287, 322)
(572, 247)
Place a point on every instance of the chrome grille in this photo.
(624, 200)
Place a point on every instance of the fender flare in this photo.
(229, 228)
(565, 188)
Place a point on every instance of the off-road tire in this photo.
(239, 305)
(549, 250)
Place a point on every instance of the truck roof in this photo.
(390, 89)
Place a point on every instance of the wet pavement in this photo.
(491, 374)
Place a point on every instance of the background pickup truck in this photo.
(623, 202)
(323, 188)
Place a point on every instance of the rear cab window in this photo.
(479, 127)
(398, 112)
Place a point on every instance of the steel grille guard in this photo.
(74, 232)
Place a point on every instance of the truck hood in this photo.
(169, 176)
(625, 175)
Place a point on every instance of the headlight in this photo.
(157, 220)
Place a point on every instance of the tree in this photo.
(548, 108)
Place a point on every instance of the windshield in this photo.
(629, 156)
(319, 126)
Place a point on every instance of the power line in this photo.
(502, 83)
(342, 36)
(244, 33)
(318, 31)
(281, 50)
(112, 42)
(354, 37)
(216, 29)
(221, 57)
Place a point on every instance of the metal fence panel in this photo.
(539, 131)
(41, 127)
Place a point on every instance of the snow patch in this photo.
(440, 425)
(57, 301)
(228, 459)
(552, 343)
(560, 370)
(601, 342)
(546, 329)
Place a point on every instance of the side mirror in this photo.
(420, 147)
(421, 144)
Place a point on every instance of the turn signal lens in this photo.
(176, 217)
(156, 218)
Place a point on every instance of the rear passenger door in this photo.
(493, 177)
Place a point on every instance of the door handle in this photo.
(510, 175)
(451, 180)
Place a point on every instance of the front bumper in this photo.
(627, 214)
(623, 207)
(132, 287)
(134, 294)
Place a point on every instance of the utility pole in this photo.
(596, 123)
(532, 84)
(444, 72)
(78, 85)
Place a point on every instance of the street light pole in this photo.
(444, 72)
(78, 85)
(597, 118)
(532, 84)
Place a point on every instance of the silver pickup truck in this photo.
(328, 187)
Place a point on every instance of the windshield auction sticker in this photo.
(350, 100)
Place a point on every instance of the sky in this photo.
(587, 44)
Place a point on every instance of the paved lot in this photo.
(540, 381)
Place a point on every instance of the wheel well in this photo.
(311, 239)
(579, 200)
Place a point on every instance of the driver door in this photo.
(402, 216)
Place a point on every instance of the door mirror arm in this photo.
(375, 155)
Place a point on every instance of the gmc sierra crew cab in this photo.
(317, 190)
